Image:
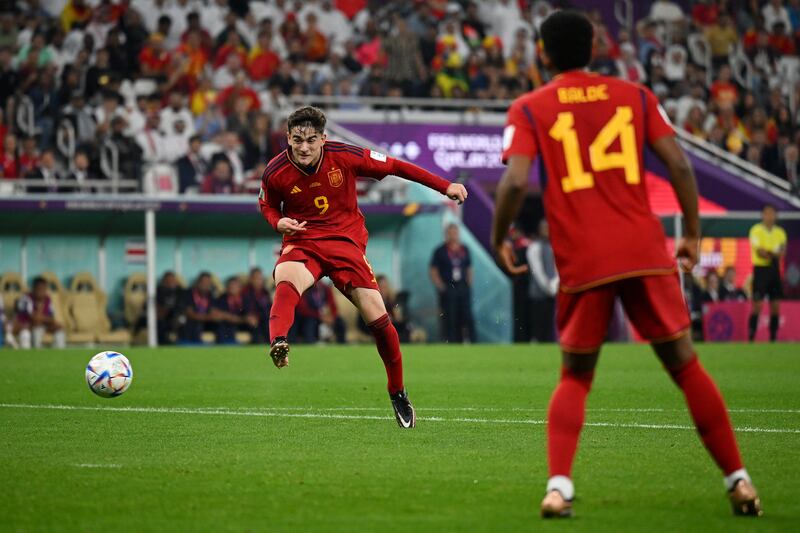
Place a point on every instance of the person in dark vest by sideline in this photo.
(451, 272)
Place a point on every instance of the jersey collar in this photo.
(575, 73)
(307, 171)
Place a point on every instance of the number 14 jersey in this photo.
(589, 132)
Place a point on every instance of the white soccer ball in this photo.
(109, 374)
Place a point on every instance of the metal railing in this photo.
(26, 116)
(21, 186)
(381, 103)
(65, 140)
(738, 166)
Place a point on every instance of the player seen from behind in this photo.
(589, 131)
(308, 194)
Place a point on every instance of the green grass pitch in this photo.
(217, 439)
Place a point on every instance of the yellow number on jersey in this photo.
(619, 126)
(321, 202)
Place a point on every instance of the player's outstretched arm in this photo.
(508, 201)
(683, 182)
(412, 172)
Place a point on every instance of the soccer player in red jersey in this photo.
(308, 193)
(589, 132)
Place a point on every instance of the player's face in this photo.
(306, 144)
(768, 216)
(40, 291)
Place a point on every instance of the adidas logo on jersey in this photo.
(295, 190)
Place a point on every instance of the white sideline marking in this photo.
(278, 414)
(88, 465)
(510, 409)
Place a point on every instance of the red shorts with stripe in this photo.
(654, 305)
(341, 260)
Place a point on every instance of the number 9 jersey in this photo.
(323, 196)
(589, 132)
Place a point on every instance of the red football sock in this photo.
(709, 413)
(388, 344)
(565, 419)
(281, 316)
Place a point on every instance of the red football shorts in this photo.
(341, 260)
(654, 305)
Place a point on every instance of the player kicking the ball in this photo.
(589, 131)
(308, 193)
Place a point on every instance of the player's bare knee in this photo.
(369, 303)
(296, 274)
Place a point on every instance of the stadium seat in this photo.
(12, 286)
(350, 315)
(87, 317)
(134, 300)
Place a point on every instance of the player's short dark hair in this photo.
(567, 37)
(38, 280)
(769, 206)
(307, 116)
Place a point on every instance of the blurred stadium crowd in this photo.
(206, 311)
(115, 90)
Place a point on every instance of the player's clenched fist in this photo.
(457, 192)
(290, 226)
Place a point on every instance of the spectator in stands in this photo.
(262, 61)
(176, 143)
(154, 59)
(151, 139)
(318, 319)
(543, 285)
(451, 273)
(129, 153)
(666, 11)
(404, 62)
(602, 63)
(723, 92)
(790, 170)
(81, 173)
(169, 308)
(198, 311)
(629, 67)
(34, 317)
(231, 149)
(728, 290)
(192, 168)
(774, 12)
(705, 12)
(220, 180)
(231, 314)
(256, 140)
(210, 122)
(721, 36)
(711, 293)
(174, 111)
(28, 158)
(9, 159)
(257, 303)
(46, 171)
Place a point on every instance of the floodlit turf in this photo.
(218, 439)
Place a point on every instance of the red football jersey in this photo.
(325, 196)
(590, 131)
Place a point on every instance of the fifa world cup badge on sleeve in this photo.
(261, 193)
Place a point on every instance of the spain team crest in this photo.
(335, 177)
